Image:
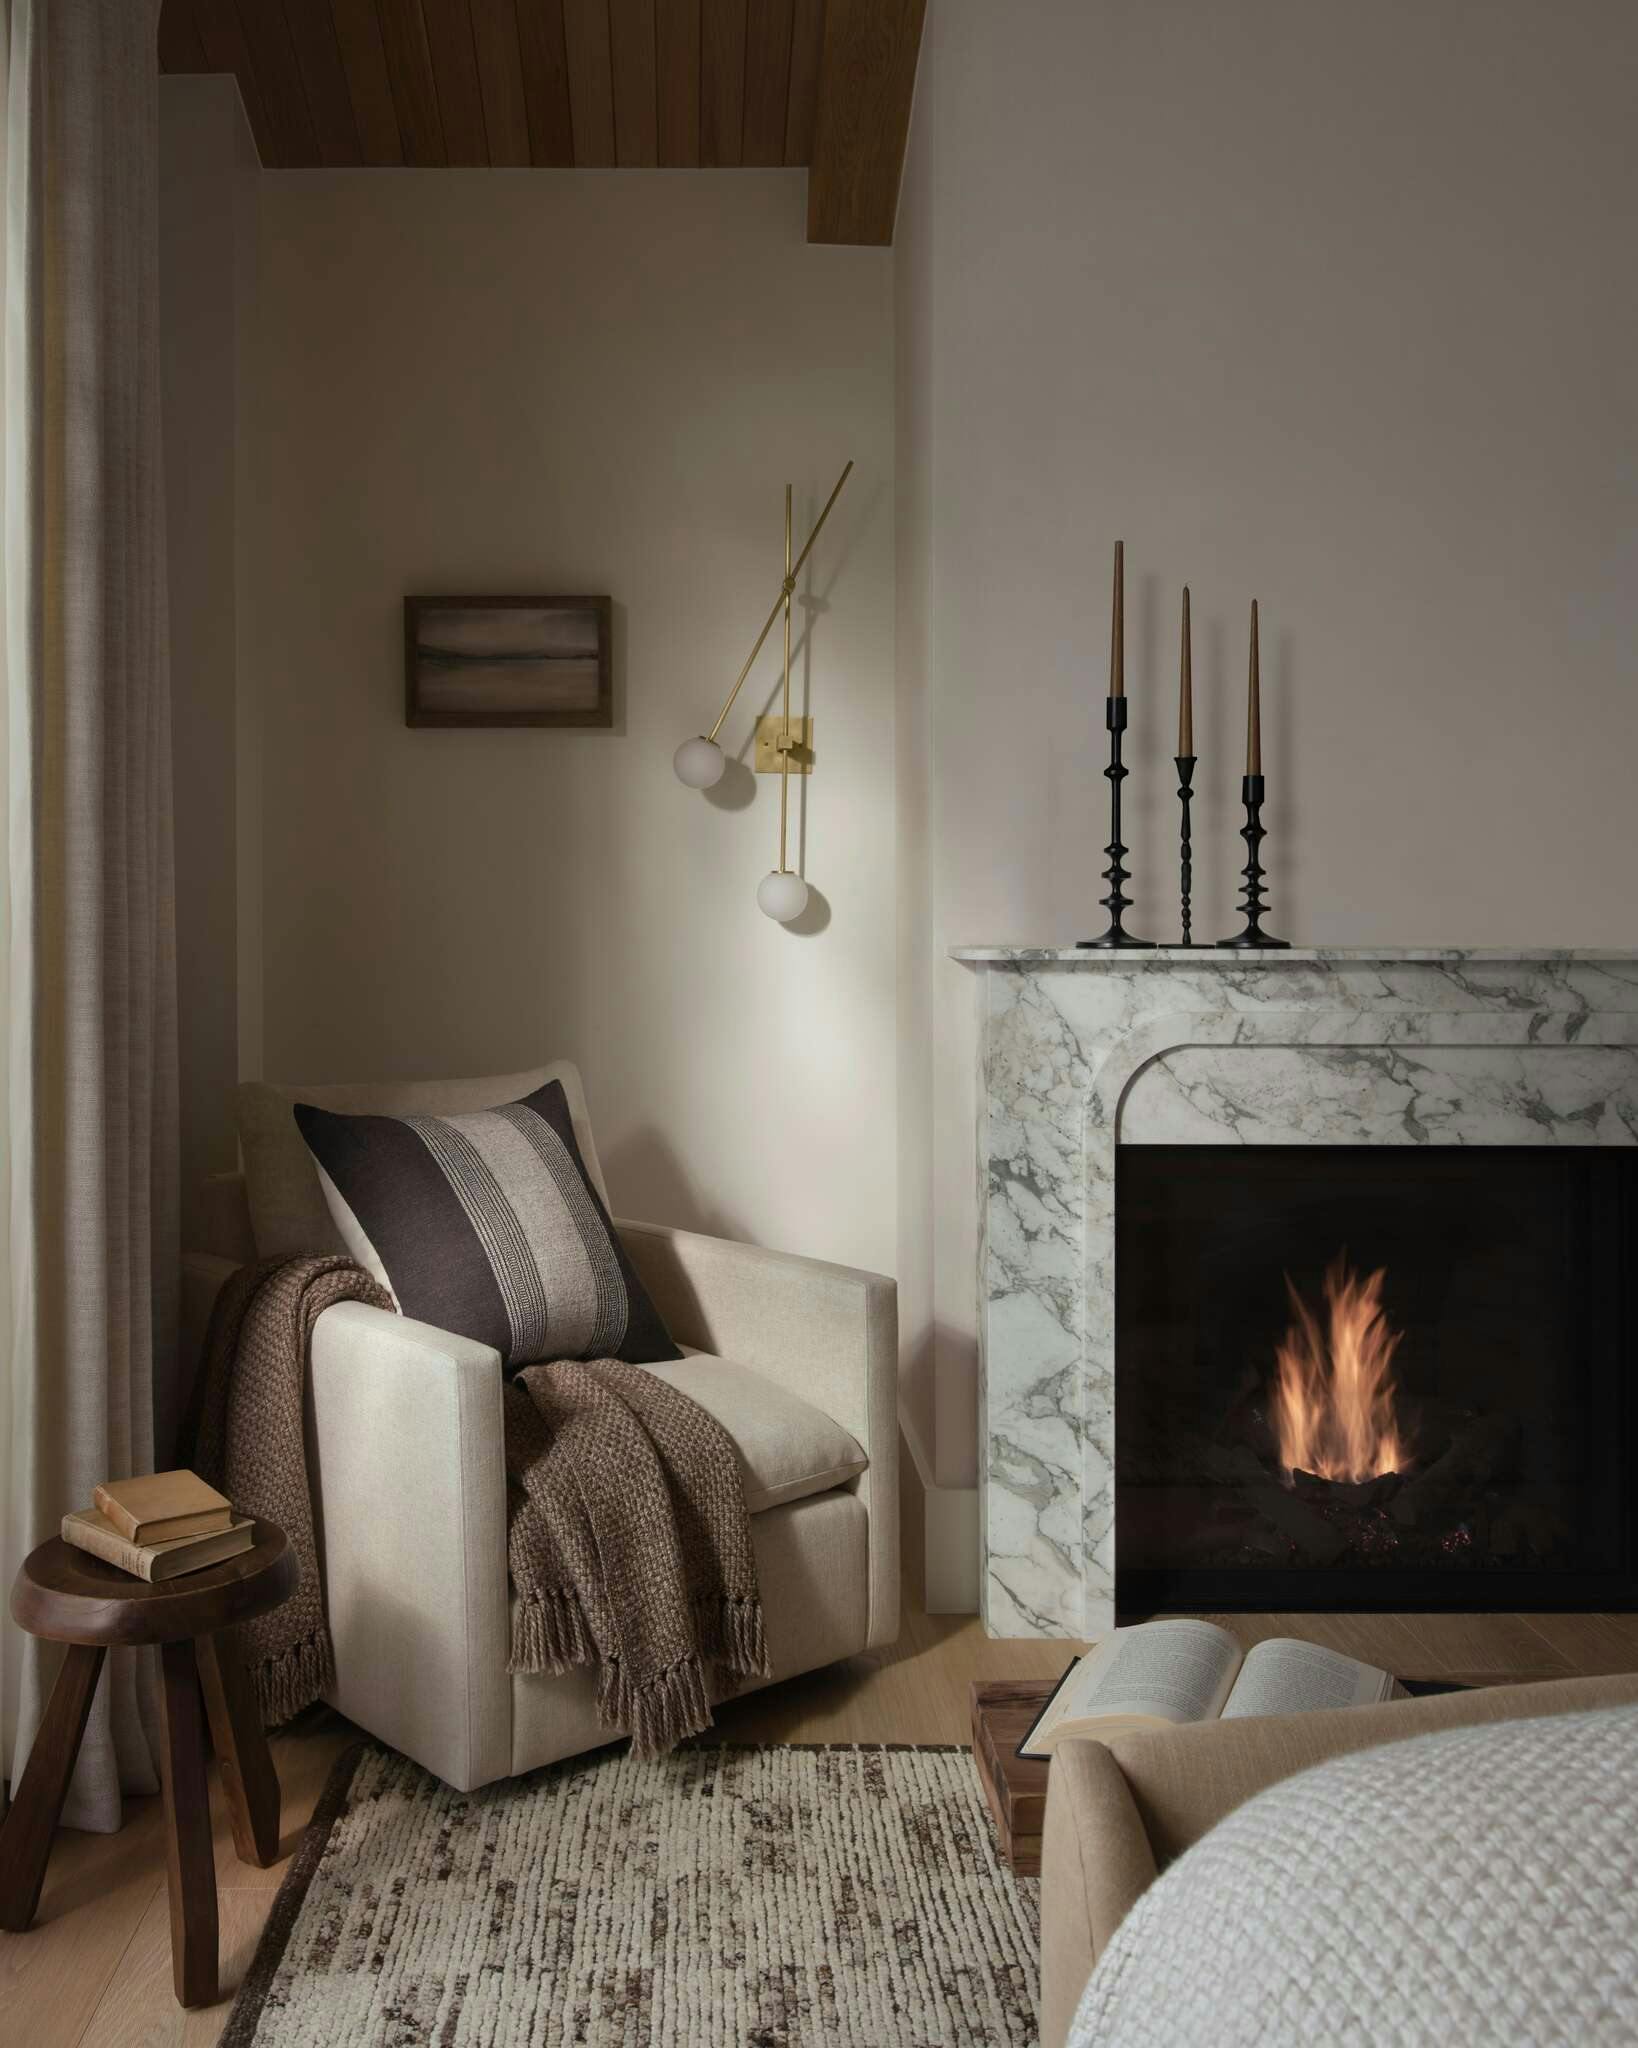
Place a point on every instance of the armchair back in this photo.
(284, 1201)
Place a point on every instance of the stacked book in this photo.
(159, 1525)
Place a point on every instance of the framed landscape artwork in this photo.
(507, 661)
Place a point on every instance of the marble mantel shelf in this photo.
(1083, 1052)
(1239, 956)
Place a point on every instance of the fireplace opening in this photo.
(1352, 1377)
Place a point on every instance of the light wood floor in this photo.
(94, 1972)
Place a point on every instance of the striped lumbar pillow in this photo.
(486, 1224)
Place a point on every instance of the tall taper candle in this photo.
(1117, 629)
(1185, 689)
(1254, 711)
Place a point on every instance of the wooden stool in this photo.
(69, 1596)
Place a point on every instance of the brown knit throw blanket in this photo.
(630, 1546)
(627, 1535)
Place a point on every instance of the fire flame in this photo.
(1333, 1397)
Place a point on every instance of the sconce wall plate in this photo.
(769, 731)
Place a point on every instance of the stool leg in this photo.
(190, 1866)
(25, 1839)
(248, 1777)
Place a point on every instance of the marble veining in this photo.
(1084, 1052)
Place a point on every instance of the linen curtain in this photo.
(91, 1171)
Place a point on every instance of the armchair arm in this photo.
(1184, 1781)
(409, 1481)
(827, 1333)
(1096, 1863)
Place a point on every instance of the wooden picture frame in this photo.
(508, 661)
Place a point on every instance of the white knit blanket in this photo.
(1475, 1886)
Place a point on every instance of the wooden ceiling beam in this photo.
(500, 80)
(632, 51)
(566, 83)
(318, 55)
(179, 46)
(414, 92)
(273, 58)
(867, 78)
(455, 79)
(546, 83)
(807, 38)
(591, 82)
(677, 60)
(223, 39)
(369, 84)
(722, 81)
(767, 82)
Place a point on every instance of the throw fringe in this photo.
(668, 1709)
(661, 1712)
(549, 1634)
(730, 1635)
(294, 1678)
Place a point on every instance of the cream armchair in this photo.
(797, 1358)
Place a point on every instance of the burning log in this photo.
(1347, 1493)
(1319, 1541)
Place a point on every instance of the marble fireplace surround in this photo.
(1081, 1052)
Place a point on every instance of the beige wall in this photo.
(516, 382)
(1330, 304)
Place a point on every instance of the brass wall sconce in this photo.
(781, 894)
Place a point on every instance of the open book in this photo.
(1165, 1673)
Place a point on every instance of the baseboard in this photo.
(945, 1535)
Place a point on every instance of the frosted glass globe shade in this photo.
(699, 763)
(781, 896)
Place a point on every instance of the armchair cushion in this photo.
(788, 1449)
(288, 1212)
(487, 1224)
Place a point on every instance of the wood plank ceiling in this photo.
(582, 83)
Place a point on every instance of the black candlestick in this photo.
(1117, 901)
(1184, 764)
(1251, 903)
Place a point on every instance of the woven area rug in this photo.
(845, 1896)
